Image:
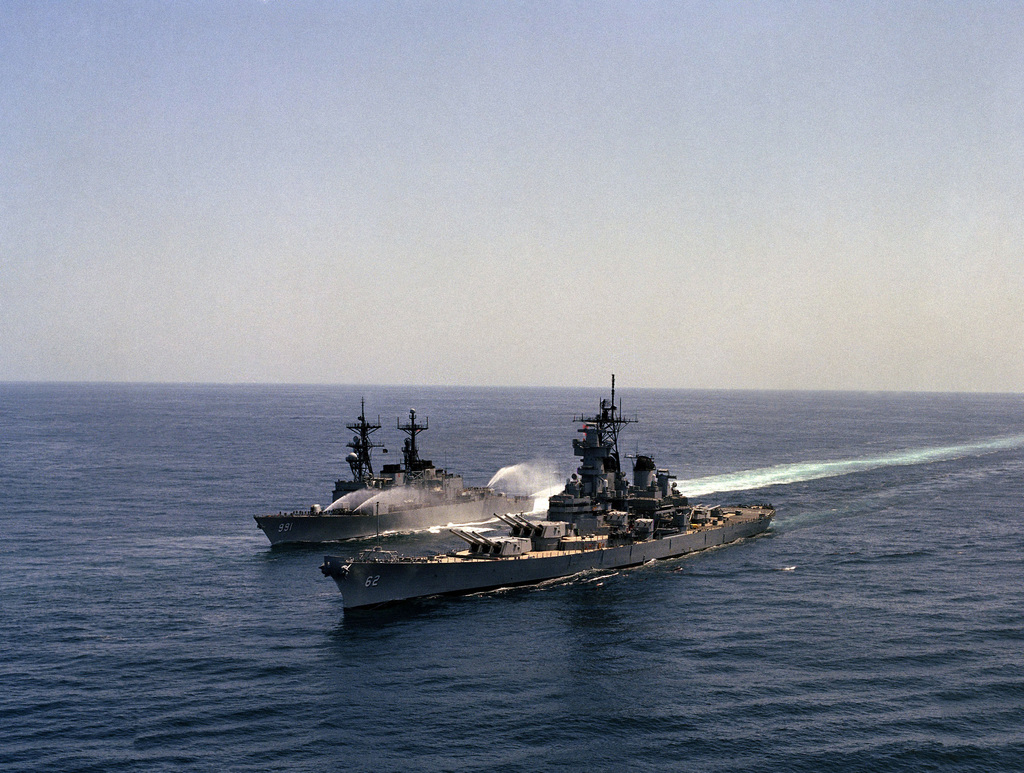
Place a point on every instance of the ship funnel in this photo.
(643, 472)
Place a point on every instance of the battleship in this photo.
(409, 496)
(600, 521)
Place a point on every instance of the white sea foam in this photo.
(476, 527)
(802, 471)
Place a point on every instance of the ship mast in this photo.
(600, 476)
(608, 422)
(361, 443)
(412, 429)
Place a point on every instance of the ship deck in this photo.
(465, 556)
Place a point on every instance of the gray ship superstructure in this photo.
(409, 496)
(599, 521)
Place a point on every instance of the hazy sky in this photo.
(778, 194)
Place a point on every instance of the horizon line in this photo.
(409, 385)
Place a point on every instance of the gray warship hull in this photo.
(327, 526)
(367, 584)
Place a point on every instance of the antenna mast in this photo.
(412, 429)
(361, 443)
(608, 422)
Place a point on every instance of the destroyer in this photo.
(404, 497)
(600, 521)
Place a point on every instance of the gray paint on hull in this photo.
(326, 527)
(368, 584)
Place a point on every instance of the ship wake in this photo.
(799, 472)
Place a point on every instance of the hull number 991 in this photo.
(283, 527)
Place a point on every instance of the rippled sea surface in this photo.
(148, 625)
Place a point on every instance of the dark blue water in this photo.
(147, 625)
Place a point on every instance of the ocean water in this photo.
(148, 625)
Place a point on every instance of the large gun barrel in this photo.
(471, 538)
(514, 519)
